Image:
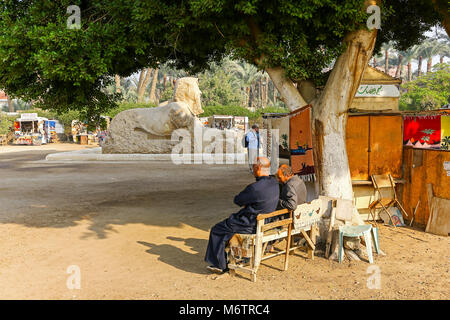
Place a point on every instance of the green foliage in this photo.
(6, 123)
(67, 117)
(429, 91)
(127, 105)
(64, 69)
(226, 110)
(49, 114)
(167, 94)
(233, 110)
(218, 88)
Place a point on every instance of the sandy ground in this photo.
(140, 230)
(48, 148)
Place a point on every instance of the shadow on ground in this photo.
(179, 258)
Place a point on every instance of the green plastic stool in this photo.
(357, 231)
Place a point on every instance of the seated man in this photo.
(293, 193)
(259, 197)
(293, 190)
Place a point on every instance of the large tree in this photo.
(292, 40)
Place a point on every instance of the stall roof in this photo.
(361, 112)
(221, 116)
(274, 115)
(375, 76)
(31, 119)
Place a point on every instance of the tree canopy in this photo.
(61, 68)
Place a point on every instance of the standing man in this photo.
(259, 197)
(252, 138)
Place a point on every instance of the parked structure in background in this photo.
(3, 101)
(30, 129)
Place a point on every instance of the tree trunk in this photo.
(330, 115)
(274, 93)
(247, 96)
(386, 61)
(251, 96)
(374, 62)
(10, 104)
(141, 79)
(441, 60)
(144, 79)
(165, 81)
(307, 89)
(409, 71)
(330, 112)
(419, 67)
(260, 93)
(153, 88)
(399, 66)
(117, 81)
(288, 92)
(429, 62)
(266, 91)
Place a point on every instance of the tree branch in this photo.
(285, 86)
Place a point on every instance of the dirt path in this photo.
(139, 231)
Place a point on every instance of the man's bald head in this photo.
(261, 167)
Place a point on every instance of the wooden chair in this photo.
(385, 188)
(247, 251)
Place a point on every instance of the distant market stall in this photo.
(226, 122)
(82, 135)
(31, 129)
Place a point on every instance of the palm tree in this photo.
(153, 87)
(248, 75)
(430, 48)
(144, 79)
(10, 104)
(407, 57)
(445, 51)
(117, 83)
(386, 47)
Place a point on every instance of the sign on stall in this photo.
(377, 90)
(28, 116)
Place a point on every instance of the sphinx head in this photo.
(187, 90)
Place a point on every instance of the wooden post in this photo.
(258, 248)
(330, 233)
(288, 243)
(312, 235)
(430, 204)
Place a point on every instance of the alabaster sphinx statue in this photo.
(149, 130)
